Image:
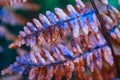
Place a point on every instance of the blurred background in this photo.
(12, 19)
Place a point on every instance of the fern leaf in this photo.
(11, 2)
(56, 57)
(48, 31)
(112, 23)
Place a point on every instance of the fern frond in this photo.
(56, 57)
(6, 33)
(112, 19)
(11, 2)
(61, 55)
(49, 31)
(30, 6)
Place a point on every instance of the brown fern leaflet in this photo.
(11, 2)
